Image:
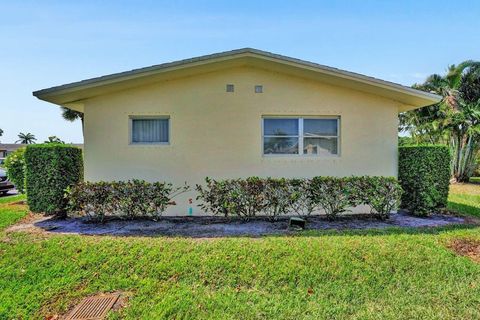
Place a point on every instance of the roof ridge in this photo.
(144, 71)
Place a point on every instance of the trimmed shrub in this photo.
(278, 197)
(244, 198)
(123, 199)
(215, 195)
(303, 203)
(247, 198)
(49, 170)
(424, 174)
(382, 194)
(275, 197)
(334, 195)
(15, 165)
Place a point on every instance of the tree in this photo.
(26, 138)
(72, 115)
(423, 125)
(455, 120)
(1, 132)
(54, 139)
(405, 141)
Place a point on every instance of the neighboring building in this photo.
(235, 114)
(7, 148)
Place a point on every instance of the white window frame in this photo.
(301, 137)
(140, 117)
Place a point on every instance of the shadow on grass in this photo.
(475, 180)
(463, 209)
(11, 197)
(389, 231)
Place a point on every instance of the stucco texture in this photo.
(219, 134)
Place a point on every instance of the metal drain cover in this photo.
(93, 308)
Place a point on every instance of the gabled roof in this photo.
(11, 146)
(72, 94)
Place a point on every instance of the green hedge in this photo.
(275, 197)
(50, 169)
(424, 174)
(15, 165)
(123, 199)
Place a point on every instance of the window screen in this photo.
(154, 130)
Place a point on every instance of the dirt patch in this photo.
(28, 223)
(18, 203)
(467, 248)
(31, 217)
(465, 188)
(472, 220)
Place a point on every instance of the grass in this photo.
(9, 214)
(383, 274)
(465, 199)
(10, 199)
(475, 180)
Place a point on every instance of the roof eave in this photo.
(55, 94)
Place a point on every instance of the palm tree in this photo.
(423, 125)
(26, 138)
(72, 115)
(455, 120)
(54, 139)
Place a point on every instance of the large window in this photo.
(149, 130)
(301, 136)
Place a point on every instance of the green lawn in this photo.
(389, 274)
(9, 214)
(13, 198)
(465, 199)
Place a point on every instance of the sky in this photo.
(48, 43)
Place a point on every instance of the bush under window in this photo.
(244, 198)
(272, 197)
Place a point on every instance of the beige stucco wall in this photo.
(218, 134)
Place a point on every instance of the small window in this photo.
(301, 136)
(230, 88)
(258, 89)
(150, 130)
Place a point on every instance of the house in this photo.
(240, 113)
(7, 148)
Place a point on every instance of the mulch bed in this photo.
(207, 227)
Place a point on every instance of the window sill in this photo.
(300, 157)
(152, 144)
